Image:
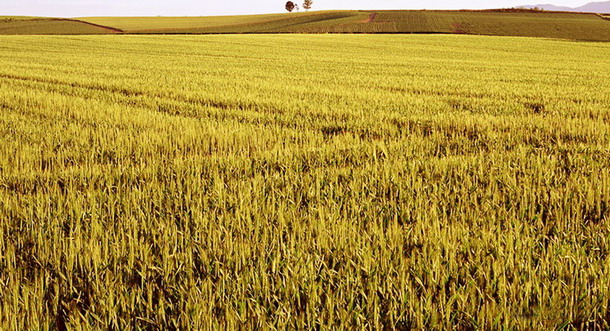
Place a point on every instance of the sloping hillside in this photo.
(501, 22)
(509, 23)
(37, 26)
(526, 23)
(292, 22)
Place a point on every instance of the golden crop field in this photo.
(304, 181)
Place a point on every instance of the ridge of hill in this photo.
(502, 22)
(591, 7)
(22, 25)
(505, 22)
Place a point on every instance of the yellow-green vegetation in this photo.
(527, 23)
(16, 25)
(502, 23)
(304, 181)
(225, 24)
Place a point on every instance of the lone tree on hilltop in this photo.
(290, 6)
(307, 4)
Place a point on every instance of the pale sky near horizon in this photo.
(76, 8)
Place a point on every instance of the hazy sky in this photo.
(74, 8)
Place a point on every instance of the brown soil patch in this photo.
(371, 18)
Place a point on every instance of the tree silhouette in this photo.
(290, 6)
(307, 4)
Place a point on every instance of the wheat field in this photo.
(304, 181)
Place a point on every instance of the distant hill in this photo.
(592, 7)
(501, 22)
(20, 25)
(506, 22)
